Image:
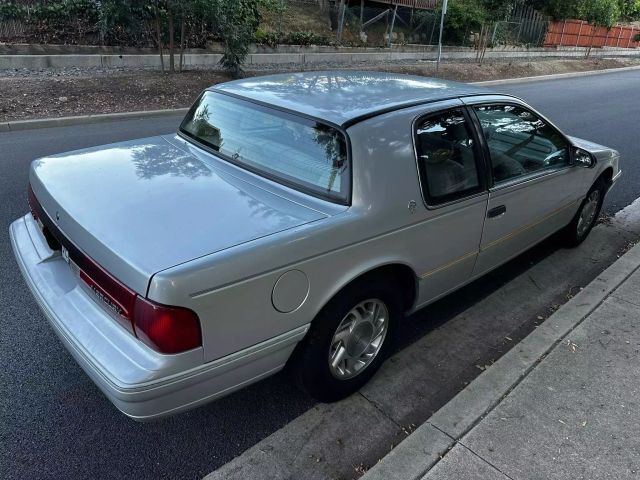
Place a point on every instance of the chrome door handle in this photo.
(497, 211)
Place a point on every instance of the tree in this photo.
(236, 22)
(558, 9)
(498, 10)
(599, 13)
(463, 17)
(629, 9)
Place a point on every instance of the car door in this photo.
(453, 183)
(531, 192)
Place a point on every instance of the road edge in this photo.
(421, 450)
(17, 125)
(556, 76)
(14, 126)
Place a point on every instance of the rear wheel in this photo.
(587, 215)
(348, 340)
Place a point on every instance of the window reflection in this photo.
(446, 156)
(519, 142)
(304, 152)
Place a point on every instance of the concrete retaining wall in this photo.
(34, 62)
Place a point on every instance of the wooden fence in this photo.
(578, 33)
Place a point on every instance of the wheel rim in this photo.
(588, 213)
(358, 339)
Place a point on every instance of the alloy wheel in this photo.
(358, 339)
(588, 213)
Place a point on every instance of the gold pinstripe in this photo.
(495, 242)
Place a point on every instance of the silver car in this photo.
(292, 220)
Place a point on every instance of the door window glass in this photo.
(446, 157)
(519, 142)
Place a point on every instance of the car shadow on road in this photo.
(443, 310)
(62, 415)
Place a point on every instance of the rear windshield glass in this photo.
(306, 154)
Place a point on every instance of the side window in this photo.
(447, 157)
(519, 142)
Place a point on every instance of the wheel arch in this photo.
(606, 176)
(400, 273)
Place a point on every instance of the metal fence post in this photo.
(341, 10)
(393, 22)
(444, 12)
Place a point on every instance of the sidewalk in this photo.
(564, 403)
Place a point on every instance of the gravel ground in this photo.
(76, 91)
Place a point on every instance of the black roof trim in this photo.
(417, 103)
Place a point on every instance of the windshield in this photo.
(303, 153)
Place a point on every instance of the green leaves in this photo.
(133, 22)
(597, 12)
(604, 13)
(629, 9)
(236, 23)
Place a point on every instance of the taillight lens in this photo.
(166, 329)
(120, 299)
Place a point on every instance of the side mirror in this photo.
(582, 158)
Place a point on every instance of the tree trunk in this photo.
(171, 44)
(159, 35)
(593, 36)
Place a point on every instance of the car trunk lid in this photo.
(142, 206)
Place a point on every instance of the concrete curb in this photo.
(301, 57)
(13, 126)
(556, 76)
(412, 458)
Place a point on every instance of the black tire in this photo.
(310, 362)
(571, 234)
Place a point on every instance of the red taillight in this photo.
(120, 299)
(166, 329)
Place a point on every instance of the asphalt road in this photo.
(55, 423)
(602, 108)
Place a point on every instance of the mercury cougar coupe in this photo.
(292, 220)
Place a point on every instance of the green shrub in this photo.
(306, 38)
(271, 39)
(12, 11)
(236, 23)
(463, 17)
(59, 21)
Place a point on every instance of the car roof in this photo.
(345, 97)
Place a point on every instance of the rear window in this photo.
(305, 154)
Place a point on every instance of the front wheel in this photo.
(587, 215)
(348, 340)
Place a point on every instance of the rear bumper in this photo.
(140, 382)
